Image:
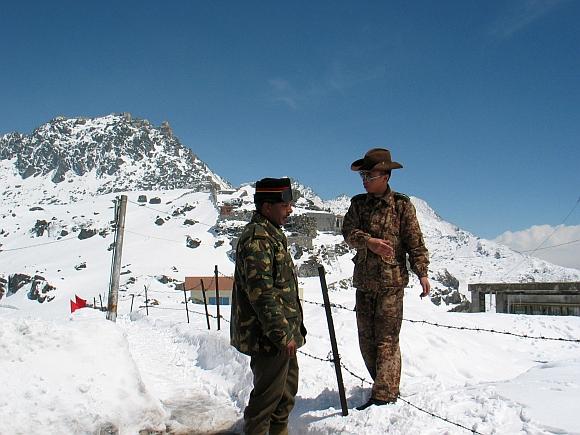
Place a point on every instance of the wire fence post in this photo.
(335, 355)
(205, 304)
(217, 297)
(146, 301)
(186, 309)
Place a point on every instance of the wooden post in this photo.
(186, 309)
(101, 302)
(217, 296)
(117, 251)
(335, 355)
(205, 304)
(132, 298)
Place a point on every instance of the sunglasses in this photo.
(366, 176)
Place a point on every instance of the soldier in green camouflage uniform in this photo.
(266, 320)
(382, 226)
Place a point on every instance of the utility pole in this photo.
(120, 210)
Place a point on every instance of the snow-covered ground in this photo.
(80, 373)
(156, 373)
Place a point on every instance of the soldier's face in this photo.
(278, 212)
(375, 181)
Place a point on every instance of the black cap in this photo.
(273, 190)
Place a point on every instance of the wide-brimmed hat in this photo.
(273, 190)
(375, 159)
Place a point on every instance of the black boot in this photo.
(377, 402)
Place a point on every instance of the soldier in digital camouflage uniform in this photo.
(266, 319)
(382, 226)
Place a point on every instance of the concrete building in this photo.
(326, 221)
(547, 298)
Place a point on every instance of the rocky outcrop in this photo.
(122, 152)
(38, 288)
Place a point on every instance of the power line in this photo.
(559, 226)
(549, 247)
(167, 213)
(39, 244)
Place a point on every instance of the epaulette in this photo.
(401, 196)
(260, 232)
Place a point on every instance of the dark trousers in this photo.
(379, 317)
(273, 396)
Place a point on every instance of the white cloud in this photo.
(339, 78)
(567, 253)
(522, 13)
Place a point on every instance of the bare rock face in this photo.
(448, 280)
(40, 227)
(124, 153)
(38, 288)
(192, 243)
(309, 268)
(3, 286)
(86, 233)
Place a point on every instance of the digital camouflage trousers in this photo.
(379, 316)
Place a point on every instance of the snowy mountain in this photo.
(66, 159)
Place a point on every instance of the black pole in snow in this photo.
(146, 301)
(205, 303)
(217, 296)
(335, 355)
(186, 309)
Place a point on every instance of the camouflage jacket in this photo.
(266, 311)
(390, 217)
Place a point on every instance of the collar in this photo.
(386, 197)
(272, 229)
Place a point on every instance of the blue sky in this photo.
(479, 100)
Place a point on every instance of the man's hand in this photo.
(380, 247)
(290, 350)
(425, 285)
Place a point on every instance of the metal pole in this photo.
(116, 274)
(217, 296)
(335, 355)
(205, 304)
(186, 309)
(146, 301)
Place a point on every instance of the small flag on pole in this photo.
(81, 303)
(73, 307)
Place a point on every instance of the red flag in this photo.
(73, 307)
(81, 303)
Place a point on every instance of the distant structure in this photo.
(540, 298)
(192, 284)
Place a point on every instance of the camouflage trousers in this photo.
(273, 396)
(379, 316)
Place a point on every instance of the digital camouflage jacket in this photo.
(266, 312)
(390, 217)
